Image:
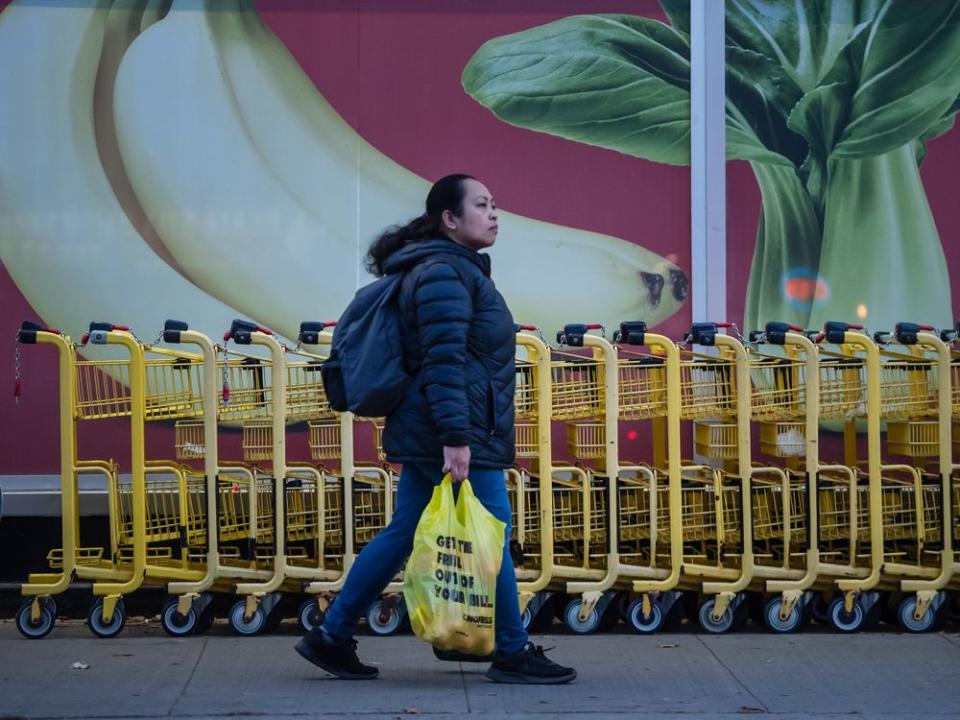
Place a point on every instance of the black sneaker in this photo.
(457, 656)
(337, 657)
(531, 667)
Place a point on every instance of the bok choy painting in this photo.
(832, 103)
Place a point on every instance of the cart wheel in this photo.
(846, 622)
(624, 604)
(610, 617)
(101, 628)
(246, 627)
(820, 609)
(571, 618)
(645, 624)
(691, 606)
(543, 620)
(176, 624)
(384, 626)
(559, 606)
(309, 616)
(909, 623)
(673, 618)
(273, 620)
(890, 608)
(725, 623)
(205, 621)
(526, 618)
(771, 616)
(756, 607)
(43, 626)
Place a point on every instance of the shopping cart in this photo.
(37, 614)
(357, 501)
(916, 399)
(630, 502)
(155, 521)
(530, 483)
(786, 390)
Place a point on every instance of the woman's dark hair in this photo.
(446, 194)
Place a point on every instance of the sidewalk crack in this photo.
(203, 649)
(952, 641)
(466, 694)
(733, 674)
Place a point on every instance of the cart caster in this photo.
(543, 620)
(820, 609)
(771, 616)
(273, 619)
(733, 618)
(756, 608)
(539, 613)
(385, 617)
(846, 622)
(205, 621)
(934, 618)
(571, 618)
(101, 628)
(526, 618)
(176, 624)
(645, 624)
(609, 617)
(242, 626)
(43, 626)
(690, 604)
(309, 616)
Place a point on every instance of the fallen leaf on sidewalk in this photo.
(122, 654)
(79, 666)
(411, 711)
(747, 710)
(668, 645)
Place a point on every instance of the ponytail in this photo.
(446, 194)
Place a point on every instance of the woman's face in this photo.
(476, 227)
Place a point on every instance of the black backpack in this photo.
(366, 373)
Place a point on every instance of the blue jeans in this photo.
(381, 559)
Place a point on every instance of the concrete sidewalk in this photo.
(145, 674)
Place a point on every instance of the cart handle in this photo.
(240, 331)
(906, 332)
(572, 334)
(833, 331)
(310, 331)
(101, 327)
(774, 332)
(27, 334)
(172, 329)
(632, 332)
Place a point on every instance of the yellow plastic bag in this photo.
(450, 580)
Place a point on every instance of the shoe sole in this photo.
(502, 676)
(306, 652)
(455, 656)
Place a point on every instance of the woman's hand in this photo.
(456, 461)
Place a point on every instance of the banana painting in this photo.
(236, 189)
(65, 240)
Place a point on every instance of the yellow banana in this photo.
(240, 162)
(66, 241)
(223, 215)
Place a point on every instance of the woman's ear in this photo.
(449, 220)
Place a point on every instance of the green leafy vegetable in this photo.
(832, 103)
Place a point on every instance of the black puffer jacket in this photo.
(459, 345)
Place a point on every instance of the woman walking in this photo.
(456, 417)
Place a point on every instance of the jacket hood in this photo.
(409, 255)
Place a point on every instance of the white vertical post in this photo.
(708, 187)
